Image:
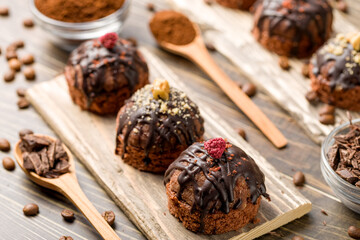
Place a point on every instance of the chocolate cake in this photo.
(292, 28)
(335, 72)
(237, 4)
(102, 73)
(155, 125)
(214, 187)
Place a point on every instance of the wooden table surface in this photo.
(16, 190)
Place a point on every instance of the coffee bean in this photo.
(242, 133)
(208, 2)
(31, 209)
(327, 109)
(4, 145)
(311, 96)
(23, 103)
(354, 232)
(28, 23)
(4, 11)
(133, 41)
(150, 7)
(210, 47)
(9, 76)
(342, 6)
(19, 44)
(327, 119)
(324, 212)
(249, 89)
(29, 73)
(8, 163)
(109, 217)
(305, 70)
(66, 238)
(11, 55)
(299, 179)
(284, 63)
(11, 48)
(68, 215)
(0, 51)
(21, 92)
(297, 238)
(24, 132)
(27, 59)
(15, 64)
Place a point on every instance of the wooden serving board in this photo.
(142, 195)
(230, 32)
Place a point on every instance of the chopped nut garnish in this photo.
(355, 41)
(161, 89)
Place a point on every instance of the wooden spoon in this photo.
(197, 53)
(68, 185)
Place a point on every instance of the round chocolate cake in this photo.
(156, 124)
(292, 28)
(335, 72)
(103, 73)
(237, 4)
(214, 187)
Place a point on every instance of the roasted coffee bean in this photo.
(24, 132)
(311, 97)
(208, 2)
(210, 47)
(342, 6)
(66, 238)
(15, 64)
(8, 163)
(27, 59)
(31, 209)
(0, 51)
(19, 44)
(4, 11)
(249, 89)
(9, 76)
(327, 109)
(324, 212)
(327, 119)
(297, 238)
(299, 179)
(284, 63)
(11, 55)
(4, 145)
(109, 217)
(133, 41)
(23, 103)
(29, 73)
(68, 215)
(150, 7)
(28, 23)
(305, 70)
(21, 92)
(354, 232)
(242, 133)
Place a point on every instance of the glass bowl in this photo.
(346, 192)
(69, 35)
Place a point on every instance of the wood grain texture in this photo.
(230, 32)
(142, 195)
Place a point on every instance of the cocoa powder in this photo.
(77, 11)
(172, 27)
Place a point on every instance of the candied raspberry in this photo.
(215, 147)
(109, 40)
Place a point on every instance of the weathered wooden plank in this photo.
(141, 195)
(230, 31)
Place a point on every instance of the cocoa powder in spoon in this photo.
(172, 27)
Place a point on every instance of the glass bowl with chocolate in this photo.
(340, 163)
(68, 23)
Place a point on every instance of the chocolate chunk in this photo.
(354, 232)
(109, 217)
(51, 154)
(29, 73)
(4, 11)
(68, 215)
(327, 119)
(297, 238)
(249, 89)
(24, 132)
(31, 209)
(333, 156)
(36, 162)
(44, 160)
(34, 143)
(242, 133)
(347, 175)
(15, 64)
(8, 163)
(299, 178)
(66, 238)
(284, 63)
(4, 145)
(21, 92)
(28, 23)
(27, 59)
(9, 76)
(23, 103)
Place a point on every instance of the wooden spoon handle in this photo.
(71, 189)
(203, 59)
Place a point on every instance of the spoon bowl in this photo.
(67, 184)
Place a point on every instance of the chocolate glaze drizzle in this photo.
(221, 177)
(345, 72)
(177, 117)
(299, 14)
(94, 60)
